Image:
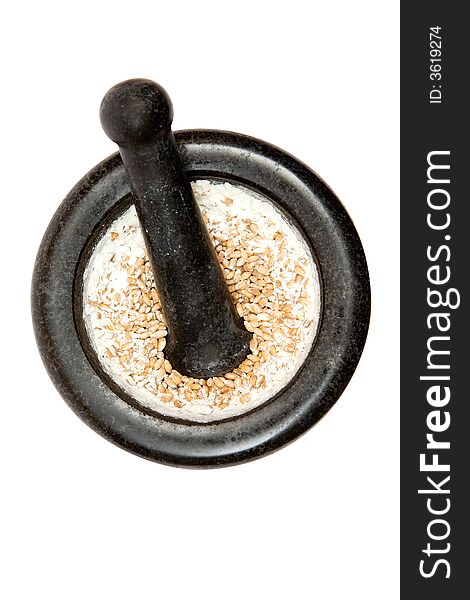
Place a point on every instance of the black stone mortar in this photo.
(57, 308)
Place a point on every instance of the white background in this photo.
(82, 518)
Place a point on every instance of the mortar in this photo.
(154, 167)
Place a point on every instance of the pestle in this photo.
(206, 337)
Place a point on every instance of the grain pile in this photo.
(274, 284)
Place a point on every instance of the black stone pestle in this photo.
(206, 337)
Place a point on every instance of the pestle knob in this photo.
(206, 337)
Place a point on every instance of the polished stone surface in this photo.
(327, 369)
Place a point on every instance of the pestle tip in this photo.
(135, 111)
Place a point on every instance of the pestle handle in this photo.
(206, 337)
